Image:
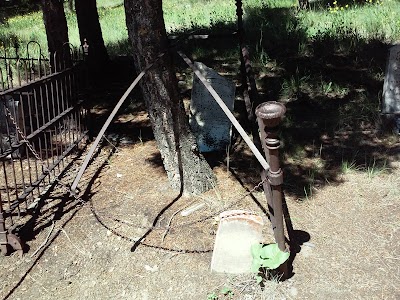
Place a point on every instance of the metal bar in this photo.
(57, 98)
(70, 103)
(55, 136)
(107, 123)
(7, 190)
(20, 115)
(32, 70)
(18, 73)
(2, 79)
(16, 202)
(10, 75)
(37, 126)
(227, 112)
(47, 133)
(21, 58)
(33, 82)
(61, 107)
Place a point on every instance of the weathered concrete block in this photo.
(238, 230)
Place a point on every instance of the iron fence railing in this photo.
(41, 122)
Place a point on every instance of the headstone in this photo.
(208, 122)
(391, 87)
(238, 230)
(8, 131)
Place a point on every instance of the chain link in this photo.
(185, 224)
(142, 242)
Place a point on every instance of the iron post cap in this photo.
(271, 112)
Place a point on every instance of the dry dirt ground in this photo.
(347, 234)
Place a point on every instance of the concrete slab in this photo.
(238, 230)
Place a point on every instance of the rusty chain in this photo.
(185, 224)
(142, 242)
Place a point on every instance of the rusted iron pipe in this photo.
(269, 115)
(107, 123)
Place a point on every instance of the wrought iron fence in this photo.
(42, 121)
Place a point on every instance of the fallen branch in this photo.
(169, 225)
(45, 241)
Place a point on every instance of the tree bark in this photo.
(186, 168)
(89, 29)
(55, 24)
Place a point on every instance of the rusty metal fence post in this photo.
(269, 116)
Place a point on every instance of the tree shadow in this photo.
(12, 8)
(59, 211)
(53, 205)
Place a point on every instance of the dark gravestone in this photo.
(391, 86)
(208, 122)
(8, 130)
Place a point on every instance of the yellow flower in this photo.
(347, 5)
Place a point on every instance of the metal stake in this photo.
(269, 116)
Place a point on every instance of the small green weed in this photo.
(308, 192)
(348, 166)
(373, 168)
(295, 84)
(227, 292)
(266, 257)
(212, 296)
(224, 293)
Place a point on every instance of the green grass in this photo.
(349, 166)
(369, 21)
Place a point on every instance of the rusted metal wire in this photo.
(107, 123)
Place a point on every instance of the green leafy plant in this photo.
(349, 166)
(212, 296)
(266, 257)
(225, 293)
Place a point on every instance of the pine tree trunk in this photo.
(56, 25)
(186, 168)
(89, 29)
